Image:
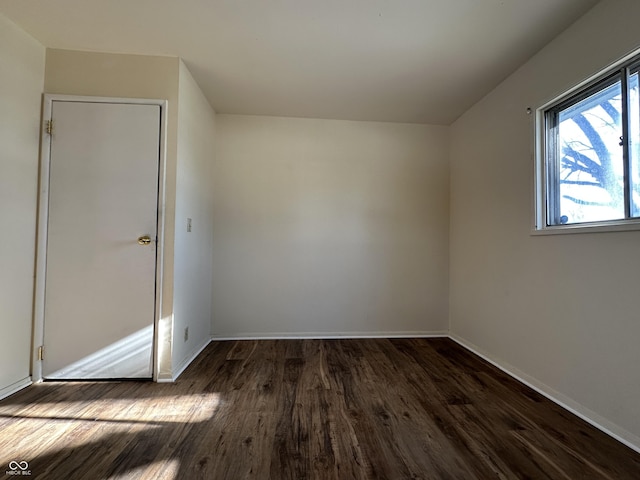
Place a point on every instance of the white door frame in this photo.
(43, 218)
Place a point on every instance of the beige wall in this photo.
(192, 253)
(22, 74)
(329, 227)
(131, 76)
(561, 310)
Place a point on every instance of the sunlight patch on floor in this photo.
(161, 470)
(163, 409)
(73, 424)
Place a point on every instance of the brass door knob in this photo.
(144, 240)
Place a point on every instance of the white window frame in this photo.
(541, 225)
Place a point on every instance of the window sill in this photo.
(595, 227)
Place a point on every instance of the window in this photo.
(590, 163)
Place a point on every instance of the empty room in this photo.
(301, 239)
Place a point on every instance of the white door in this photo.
(99, 305)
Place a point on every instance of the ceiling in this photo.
(418, 61)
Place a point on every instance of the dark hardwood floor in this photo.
(309, 409)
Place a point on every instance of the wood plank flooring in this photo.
(308, 409)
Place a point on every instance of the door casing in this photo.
(43, 215)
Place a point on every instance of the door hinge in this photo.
(48, 127)
(41, 352)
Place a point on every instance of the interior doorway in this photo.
(99, 230)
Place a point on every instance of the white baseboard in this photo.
(627, 438)
(14, 387)
(329, 335)
(186, 362)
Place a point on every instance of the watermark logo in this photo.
(18, 468)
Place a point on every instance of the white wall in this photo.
(22, 73)
(131, 76)
(329, 227)
(192, 251)
(560, 310)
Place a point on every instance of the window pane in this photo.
(634, 132)
(590, 172)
